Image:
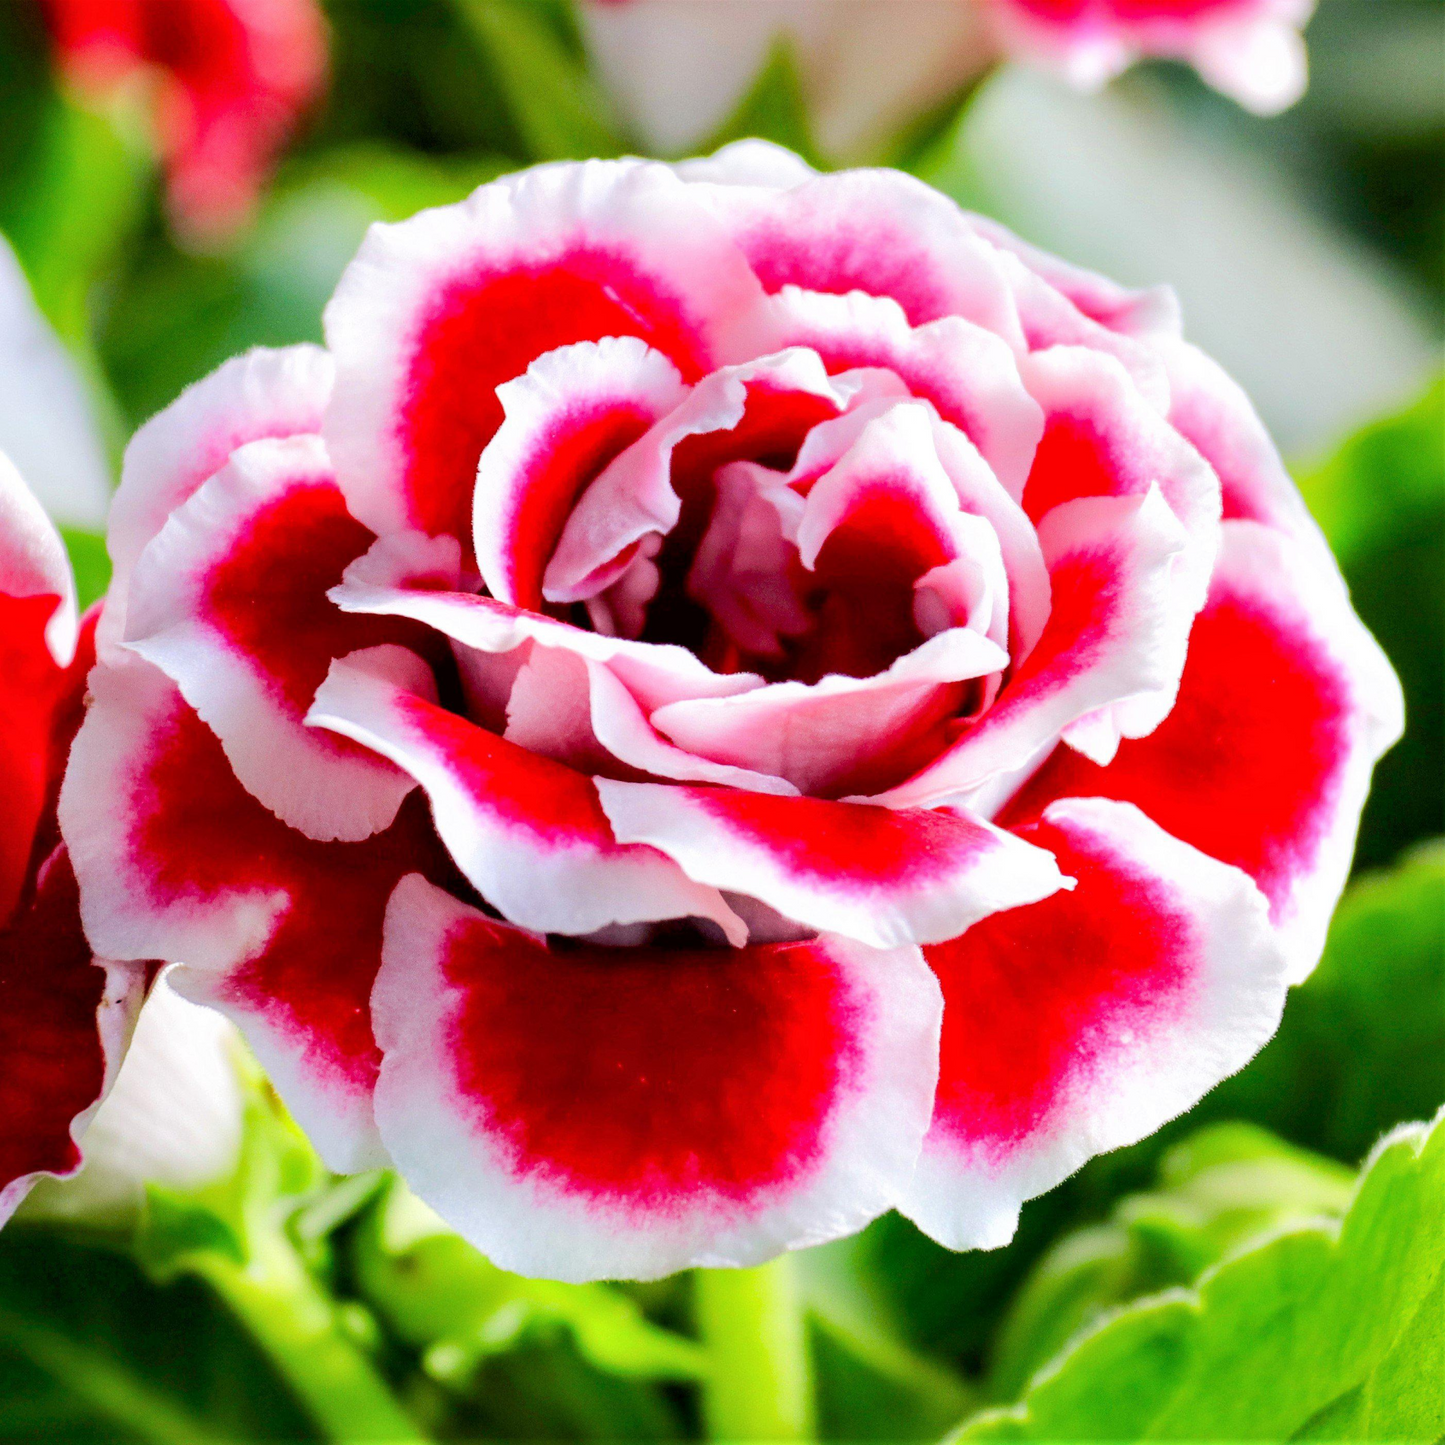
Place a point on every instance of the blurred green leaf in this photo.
(774, 107)
(90, 562)
(1216, 1190)
(1270, 1337)
(1381, 501)
(442, 1297)
(557, 107)
(91, 1350)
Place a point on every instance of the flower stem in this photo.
(758, 1384)
(295, 1322)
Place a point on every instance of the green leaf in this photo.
(91, 1350)
(774, 107)
(1270, 1337)
(559, 111)
(1381, 500)
(1217, 1189)
(440, 1296)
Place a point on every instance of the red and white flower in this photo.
(1251, 50)
(65, 1015)
(678, 69)
(726, 700)
(231, 79)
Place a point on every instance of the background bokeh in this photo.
(1307, 251)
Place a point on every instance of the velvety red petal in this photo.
(1084, 1022)
(264, 393)
(438, 311)
(886, 877)
(177, 861)
(230, 601)
(65, 1020)
(528, 832)
(593, 1113)
(1285, 704)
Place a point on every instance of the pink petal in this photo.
(65, 1022)
(478, 290)
(840, 734)
(748, 162)
(876, 231)
(383, 583)
(177, 861)
(529, 833)
(759, 410)
(886, 877)
(1103, 439)
(1209, 408)
(1084, 1022)
(230, 601)
(969, 374)
(577, 711)
(1285, 705)
(599, 1113)
(1117, 630)
(264, 393)
(567, 416)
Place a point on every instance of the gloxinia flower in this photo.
(1251, 50)
(726, 700)
(231, 79)
(678, 68)
(65, 1016)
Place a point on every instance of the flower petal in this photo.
(230, 601)
(1117, 630)
(569, 414)
(65, 1021)
(877, 231)
(527, 832)
(602, 1113)
(1084, 1022)
(550, 256)
(34, 563)
(1285, 705)
(969, 374)
(883, 876)
(177, 861)
(264, 393)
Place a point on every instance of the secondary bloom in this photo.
(725, 700)
(1251, 50)
(65, 1016)
(678, 68)
(231, 79)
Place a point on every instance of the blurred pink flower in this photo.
(232, 77)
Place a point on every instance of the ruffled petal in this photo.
(600, 1113)
(34, 564)
(528, 833)
(1117, 630)
(438, 311)
(840, 734)
(264, 393)
(397, 578)
(567, 416)
(877, 231)
(1084, 1022)
(65, 1020)
(177, 861)
(1285, 705)
(969, 374)
(883, 876)
(229, 600)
